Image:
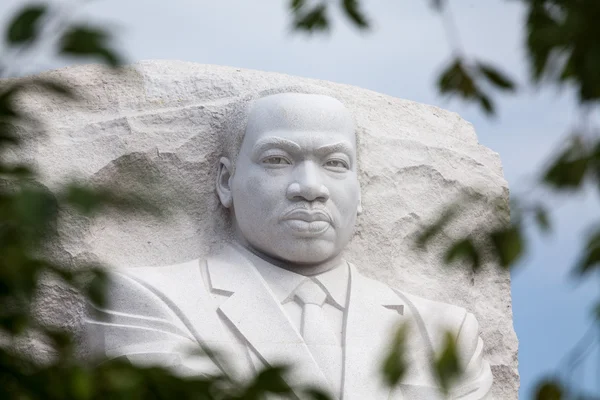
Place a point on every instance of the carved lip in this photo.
(302, 214)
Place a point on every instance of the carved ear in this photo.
(224, 175)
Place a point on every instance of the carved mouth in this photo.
(307, 223)
(307, 216)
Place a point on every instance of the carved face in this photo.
(295, 191)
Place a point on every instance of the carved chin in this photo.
(308, 251)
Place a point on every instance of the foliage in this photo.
(563, 50)
(29, 214)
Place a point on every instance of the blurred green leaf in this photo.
(352, 10)
(7, 106)
(435, 228)
(437, 4)
(270, 380)
(316, 394)
(590, 258)
(55, 87)
(549, 390)
(542, 219)
(15, 171)
(447, 366)
(25, 25)
(82, 384)
(562, 44)
(35, 210)
(62, 341)
(464, 250)
(88, 42)
(497, 78)
(96, 288)
(313, 20)
(508, 244)
(569, 168)
(394, 365)
(458, 80)
(295, 5)
(92, 200)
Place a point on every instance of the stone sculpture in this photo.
(281, 291)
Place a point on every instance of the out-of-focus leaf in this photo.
(590, 258)
(35, 209)
(86, 199)
(269, 380)
(82, 384)
(549, 390)
(486, 103)
(7, 106)
(120, 377)
(508, 244)
(55, 87)
(295, 5)
(352, 10)
(543, 35)
(62, 341)
(92, 200)
(447, 365)
(435, 228)
(561, 44)
(96, 288)
(569, 169)
(437, 4)
(316, 394)
(25, 25)
(8, 133)
(457, 80)
(89, 42)
(497, 78)
(313, 20)
(395, 365)
(16, 171)
(542, 219)
(464, 250)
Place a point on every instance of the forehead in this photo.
(294, 115)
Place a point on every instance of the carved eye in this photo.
(276, 160)
(336, 165)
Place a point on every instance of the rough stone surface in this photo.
(161, 119)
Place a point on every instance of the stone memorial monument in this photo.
(296, 205)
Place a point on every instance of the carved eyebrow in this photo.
(341, 147)
(274, 141)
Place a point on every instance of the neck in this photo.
(298, 268)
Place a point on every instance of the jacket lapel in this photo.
(256, 315)
(374, 312)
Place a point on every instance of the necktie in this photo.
(317, 333)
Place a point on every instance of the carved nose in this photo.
(308, 186)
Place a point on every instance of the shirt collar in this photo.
(283, 283)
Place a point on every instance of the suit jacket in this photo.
(156, 315)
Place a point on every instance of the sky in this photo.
(401, 56)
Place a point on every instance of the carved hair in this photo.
(236, 118)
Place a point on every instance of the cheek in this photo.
(255, 190)
(347, 202)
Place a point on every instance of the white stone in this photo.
(160, 119)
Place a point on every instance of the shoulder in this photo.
(434, 312)
(439, 318)
(159, 277)
(148, 290)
